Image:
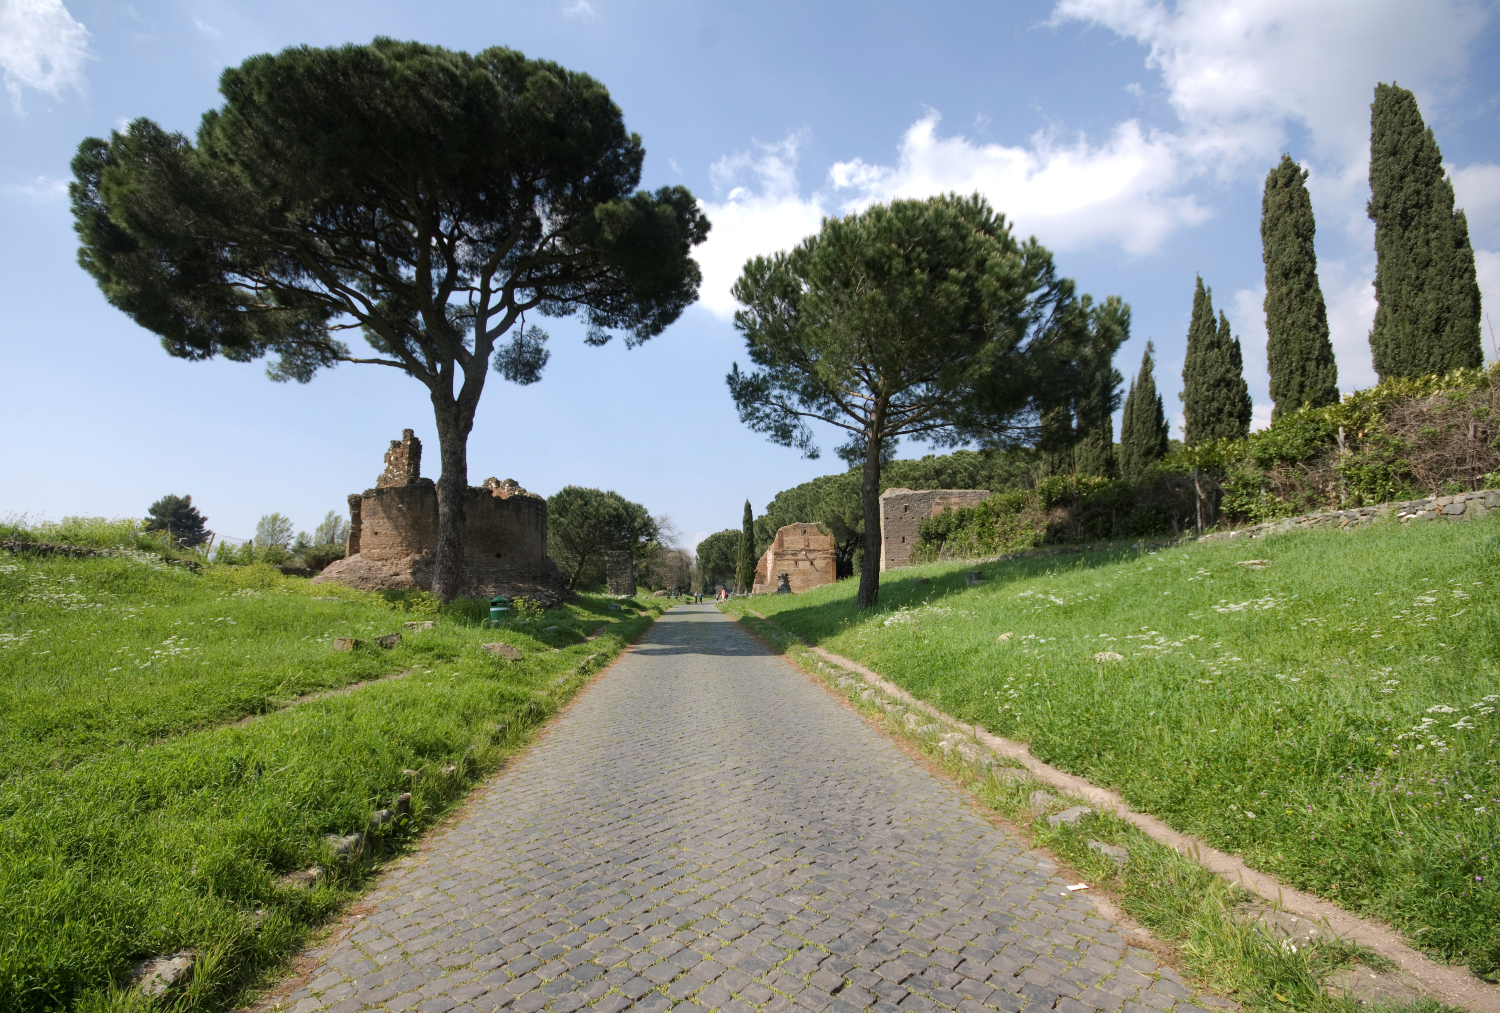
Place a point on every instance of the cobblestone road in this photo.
(708, 828)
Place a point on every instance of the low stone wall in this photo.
(1461, 507)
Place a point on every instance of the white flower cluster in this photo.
(1423, 730)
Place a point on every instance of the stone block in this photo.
(159, 975)
(1070, 815)
(344, 643)
(503, 651)
(389, 641)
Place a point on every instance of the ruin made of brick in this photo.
(393, 535)
(801, 553)
(902, 512)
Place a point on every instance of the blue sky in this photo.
(1131, 137)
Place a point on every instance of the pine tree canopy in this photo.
(177, 516)
(1143, 422)
(1215, 398)
(422, 197)
(1426, 291)
(1299, 355)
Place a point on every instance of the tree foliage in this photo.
(427, 199)
(1143, 422)
(332, 530)
(273, 529)
(920, 318)
(745, 555)
(718, 557)
(1215, 398)
(585, 524)
(1426, 291)
(178, 519)
(1299, 355)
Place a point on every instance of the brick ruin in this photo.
(902, 512)
(393, 535)
(802, 555)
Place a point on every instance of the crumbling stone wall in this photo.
(902, 512)
(619, 571)
(393, 535)
(1464, 506)
(403, 462)
(801, 553)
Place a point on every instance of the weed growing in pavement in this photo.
(1330, 717)
(139, 815)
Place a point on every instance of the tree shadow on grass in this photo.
(817, 621)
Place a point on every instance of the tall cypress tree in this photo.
(744, 572)
(1299, 355)
(1143, 422)
(1215, 398)
(1427, 295)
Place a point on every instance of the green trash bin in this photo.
(499, 605)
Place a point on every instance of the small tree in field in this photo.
(422, 197)
(716, 557)
(585, 524)
(922, 318)
(179, 519)
(273, 529)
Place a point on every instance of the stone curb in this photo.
(1451, 985)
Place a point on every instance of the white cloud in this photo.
(1488, 263)
(207, 29)
(1069, 194)
(41, 189)
(580, 10)
(1477, 190)
(761, 212)
(41, 47)
(1236, 71)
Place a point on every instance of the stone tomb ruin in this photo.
(800, 557)
(393, 535)
(902, 512)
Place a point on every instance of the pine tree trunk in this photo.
(869, 570)
(453, 425)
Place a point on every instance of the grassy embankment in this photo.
(142, 814)
(1331, 718)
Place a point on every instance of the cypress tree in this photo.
(1299, 355)
(1427, 295)
(744, 573)
(1215, 398)
(1143, 422)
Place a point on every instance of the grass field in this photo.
(169, 750)
(1331, 717)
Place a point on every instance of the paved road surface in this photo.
(708, 828)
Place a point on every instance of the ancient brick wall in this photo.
(403, 462)
(393, 535)
(800, 551)
(902, 512)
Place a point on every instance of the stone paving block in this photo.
(706, 828)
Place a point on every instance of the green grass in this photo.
(139, 815)
(1301, 716)
(1210, 925)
